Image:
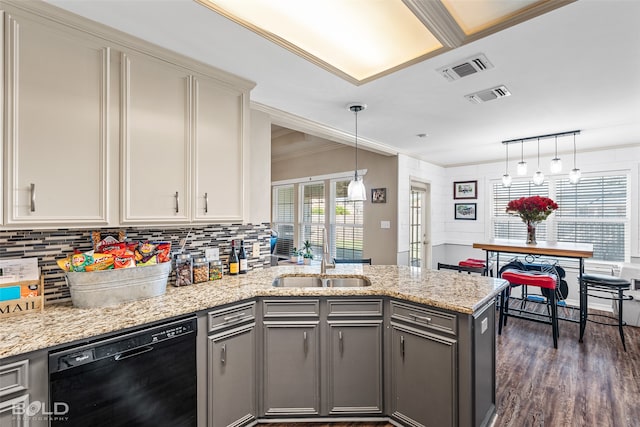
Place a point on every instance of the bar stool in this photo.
(612, 285)
(530, 278)
(476, 263)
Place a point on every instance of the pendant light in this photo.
(522, 165)
(556, 163)
(574, 175)
(538, 177)
(356, 190)
(506, 178)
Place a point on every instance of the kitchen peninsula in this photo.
(429, 326)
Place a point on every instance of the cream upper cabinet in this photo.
(56, 124)
(218, 134)
(155, 141)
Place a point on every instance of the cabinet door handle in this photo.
(32, 208)
(422, 319)
(341, 342)
(402, 346)
(223, 354)
(206, 202)
(305, 342)
(177, 202)
(233, 318)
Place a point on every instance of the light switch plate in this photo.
(212, 254)
(256, 249)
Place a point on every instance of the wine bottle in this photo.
(234, 264)
(242, 257)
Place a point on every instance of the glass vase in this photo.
(531, 232)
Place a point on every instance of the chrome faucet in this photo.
(326, 256)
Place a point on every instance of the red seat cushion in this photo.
(472, 262)
(530, 278)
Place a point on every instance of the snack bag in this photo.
(125, 261)
(145, 251)
(153, 260)
(163, 250)
(101, 262)
(79, 261)
(65, 263)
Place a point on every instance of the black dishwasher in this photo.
(137, 379)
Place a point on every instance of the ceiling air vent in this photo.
(467, 67)
(488, 94)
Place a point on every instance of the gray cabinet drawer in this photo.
(424, 317)
(291, 308)
(14, 377)
(354, 307)
(225, 317)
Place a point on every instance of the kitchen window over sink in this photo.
(596, 210)
(317, 205)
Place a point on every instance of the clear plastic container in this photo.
(184, 270)
(200, 270)
(215, 269)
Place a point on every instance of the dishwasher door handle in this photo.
(132, 353)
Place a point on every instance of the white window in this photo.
(346, 224)
(317, 209)
(283, 203)
(593, 211)
(313, 216)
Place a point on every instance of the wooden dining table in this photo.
(578, 251)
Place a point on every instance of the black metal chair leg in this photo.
(620, 322)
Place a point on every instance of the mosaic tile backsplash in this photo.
(51, 245)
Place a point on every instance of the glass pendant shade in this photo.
(506, 180)
(556, 165)
(538, 178)
(574, 176)
(356, 191)
(521, 169)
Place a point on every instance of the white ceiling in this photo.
(576, 67)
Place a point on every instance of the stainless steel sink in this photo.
(298, 282)
(347, 282)
(320, 282)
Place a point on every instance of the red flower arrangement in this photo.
(532, 209)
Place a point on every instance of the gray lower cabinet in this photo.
(291, 368)
(353, 356)
(23, 391)
(231, 365)
(423, 367)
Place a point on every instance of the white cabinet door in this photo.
(155, 149)
(57, 121)
(218, 152)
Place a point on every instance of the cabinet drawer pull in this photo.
(206, 202)
(402, 346)
(422, 319)
(177, 202)
(341, 342)
(32, 208)
(305, 343)
(233, 318)
(223, 354)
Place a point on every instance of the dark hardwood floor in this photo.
(593, 384)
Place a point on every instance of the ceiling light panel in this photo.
(476, 16)
(361, 39)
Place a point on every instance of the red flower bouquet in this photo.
(534, 208)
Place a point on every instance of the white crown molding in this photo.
(291, 121)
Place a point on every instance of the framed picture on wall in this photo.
(465, 211)
(465, 190)
(378, 195)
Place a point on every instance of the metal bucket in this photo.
(111, 287)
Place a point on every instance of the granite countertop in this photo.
(62, 323)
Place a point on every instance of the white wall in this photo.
(260, 169)
(410, 169)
